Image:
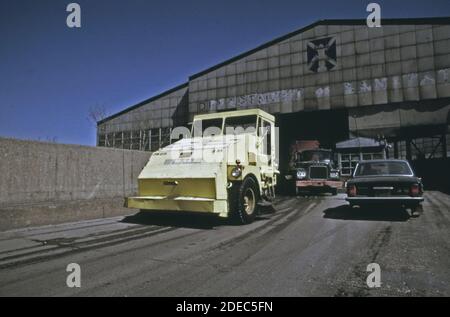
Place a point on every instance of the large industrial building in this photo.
(331, 81)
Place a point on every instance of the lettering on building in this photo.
(412, 80)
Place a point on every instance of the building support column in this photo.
(408, 150)
(396, 154)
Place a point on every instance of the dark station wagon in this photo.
(385, 182)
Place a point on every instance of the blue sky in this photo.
(128, 51)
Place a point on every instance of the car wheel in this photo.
(245, 201)
(334, 191)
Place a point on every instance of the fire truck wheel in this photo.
(245, 201)
(334, 191)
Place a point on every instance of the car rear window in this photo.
(382, 168)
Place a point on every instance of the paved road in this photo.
(313, 246)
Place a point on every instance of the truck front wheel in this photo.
(244, 201)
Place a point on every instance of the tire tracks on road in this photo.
(277, 223)
(32, 232)
(438, 207)
(64, 247)
(354, 283)
(202, 257)
(65, 241)
(70, 247)
(250, 243)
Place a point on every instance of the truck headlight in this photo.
(301, 174)
(334, 174)
(236, 172)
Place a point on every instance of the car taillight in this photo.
(414, 190)
(351, 191)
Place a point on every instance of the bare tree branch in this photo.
(97, 113)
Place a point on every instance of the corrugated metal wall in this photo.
(358, 66)
(322, 67)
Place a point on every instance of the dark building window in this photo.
(126, 140)
(118, 140)
(154, 139)
(136, 140)
(165, 137)
(424, 148)
(109, 140)
(145, 144)
(102, 140)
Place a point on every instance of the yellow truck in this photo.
(226, 167)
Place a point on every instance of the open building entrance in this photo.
(326, 126)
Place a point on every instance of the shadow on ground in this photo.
(189, 220)
(382, 213)
(175, 219)
(315, 194)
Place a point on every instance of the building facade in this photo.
(330, 81)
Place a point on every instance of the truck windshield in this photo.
(208, 127)
(307, 156)
(240, 125)
(382, 169)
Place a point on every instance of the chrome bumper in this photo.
(389, 200)
(319, 183)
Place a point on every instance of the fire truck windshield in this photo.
(314, 155)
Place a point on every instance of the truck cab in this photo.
(313, 169)
(226, 166)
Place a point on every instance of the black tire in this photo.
(334, 191)
(244, 198)
(300, 192)
(416, 211)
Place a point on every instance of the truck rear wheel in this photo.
(244, 201)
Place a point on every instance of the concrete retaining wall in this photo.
(46, 183)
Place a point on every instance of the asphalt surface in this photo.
(313, 246)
